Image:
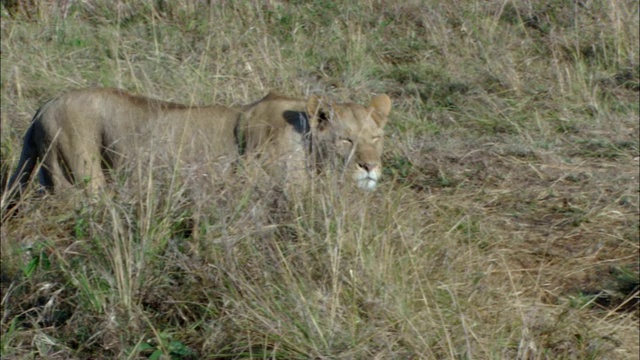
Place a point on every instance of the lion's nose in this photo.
(368, 166)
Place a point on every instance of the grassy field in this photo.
(505, 227)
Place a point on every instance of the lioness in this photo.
(300, 135)
(79, 135)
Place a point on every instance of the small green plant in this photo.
(39, 259)
(399, 167)
(81, 228)
(505, 225)
(175, 349)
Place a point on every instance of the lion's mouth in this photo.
(367, 184)
(367, 180)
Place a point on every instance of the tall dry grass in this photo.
(506, 225)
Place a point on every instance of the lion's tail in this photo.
(28, 160)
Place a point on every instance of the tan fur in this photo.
(302, 135)
(80, 134)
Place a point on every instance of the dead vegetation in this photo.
(506, 225)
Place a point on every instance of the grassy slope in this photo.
(506, 227)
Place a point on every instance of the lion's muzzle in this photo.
(367, 179)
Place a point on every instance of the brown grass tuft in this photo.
(506, 225)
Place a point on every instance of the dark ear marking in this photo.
(323, 119)
(318, 114)
(322, 115)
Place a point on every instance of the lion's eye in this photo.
(346, 141)
(376, 138)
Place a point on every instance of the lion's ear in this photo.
(381, 105)
(318, 115)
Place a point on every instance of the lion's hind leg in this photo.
(54, 175)
(65, 166)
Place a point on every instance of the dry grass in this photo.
(506, 225)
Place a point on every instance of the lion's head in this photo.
(354, 133)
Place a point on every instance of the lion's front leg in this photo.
(86, 167)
